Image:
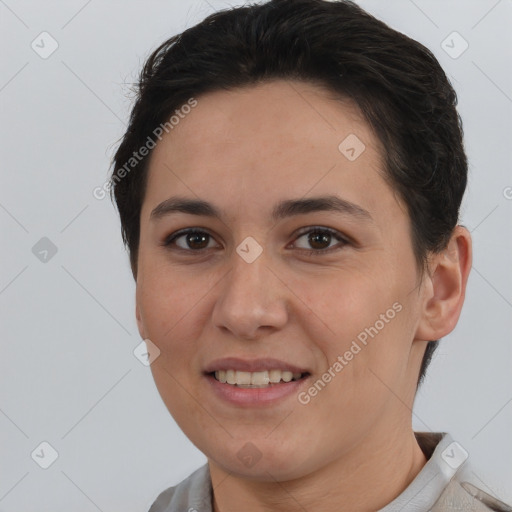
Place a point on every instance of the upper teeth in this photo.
(255, 378)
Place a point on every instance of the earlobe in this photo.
(446, 287)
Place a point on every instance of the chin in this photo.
(262, 460)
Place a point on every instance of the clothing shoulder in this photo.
(465, 496)
(192, 494)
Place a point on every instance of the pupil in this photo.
(197, 240)
(319, 240)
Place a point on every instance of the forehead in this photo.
(258, 144)
(281, 114)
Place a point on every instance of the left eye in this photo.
(319, 239)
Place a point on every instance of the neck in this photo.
(366, 479)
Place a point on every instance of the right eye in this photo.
(190, 240)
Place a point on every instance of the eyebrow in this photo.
(284, 209)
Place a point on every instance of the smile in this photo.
(259, 379)
(258, 382)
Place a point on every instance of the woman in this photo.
(289, 190)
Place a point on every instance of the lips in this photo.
(242, 391)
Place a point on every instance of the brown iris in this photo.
(319, 240)
(197, 240)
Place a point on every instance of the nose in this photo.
(251, 300)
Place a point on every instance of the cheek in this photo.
(172, 308)
(166, 296)
(346, 303)
(364, 321)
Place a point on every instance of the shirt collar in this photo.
(423, 492)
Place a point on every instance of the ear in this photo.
(445, 287)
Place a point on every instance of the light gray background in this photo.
(68, 373)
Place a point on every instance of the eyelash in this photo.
(342, 241)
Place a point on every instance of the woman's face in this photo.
(305, 271)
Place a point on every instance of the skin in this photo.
(351, 448)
